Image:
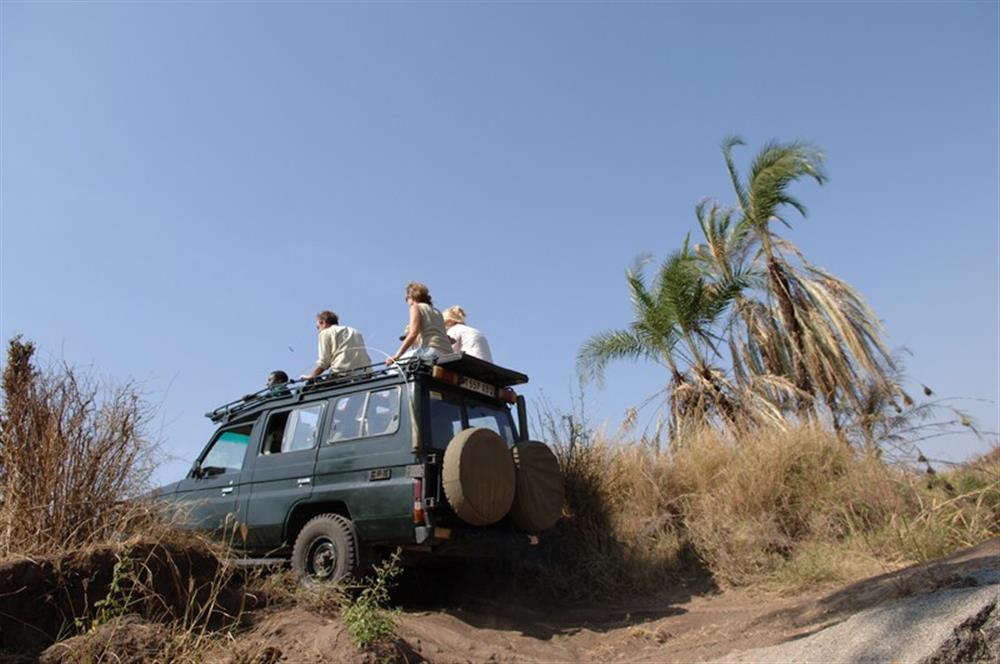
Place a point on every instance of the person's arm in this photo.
(325, 357)
(413, 332)
(455, 337)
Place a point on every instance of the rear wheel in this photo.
(326, 549)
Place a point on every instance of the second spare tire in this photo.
(478, 476)
(540, 491)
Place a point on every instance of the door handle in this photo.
(227, 490)
(302, 481)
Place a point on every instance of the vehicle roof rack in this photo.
(299, 387)
(487, 372)
(457, 362)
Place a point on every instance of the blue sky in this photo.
(184, 185)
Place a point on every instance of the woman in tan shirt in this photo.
(425, 330)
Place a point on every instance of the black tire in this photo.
(326, 549)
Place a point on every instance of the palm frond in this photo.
(774, 169)
(604, 347)
(728, 143)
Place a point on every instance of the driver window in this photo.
(229, 449)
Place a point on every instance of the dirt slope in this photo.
(679, 625)
(448, 617)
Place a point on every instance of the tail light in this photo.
(418, 501)
(442, 374)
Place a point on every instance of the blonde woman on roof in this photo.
(425, 332)
(465, 339)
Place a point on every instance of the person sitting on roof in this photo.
(426, 327)
(276, 383)
(275, 386)
(465, 339)
(341, 348)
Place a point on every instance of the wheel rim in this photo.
(322, 561)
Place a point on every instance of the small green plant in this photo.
(369, 620)
(119, 598)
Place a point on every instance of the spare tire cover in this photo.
(478, 476)
(540, 493)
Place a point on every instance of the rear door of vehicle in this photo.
(449, 410)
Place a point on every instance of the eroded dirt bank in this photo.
(451, 617)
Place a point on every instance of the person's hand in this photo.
(390, 361)
(305, 377)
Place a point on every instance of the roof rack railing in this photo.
(299, 386)
(406, 366)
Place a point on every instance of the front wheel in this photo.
(326, 549)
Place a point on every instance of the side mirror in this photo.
(209, 471)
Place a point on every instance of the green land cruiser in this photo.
(332, 472)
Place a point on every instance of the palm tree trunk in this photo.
(782, 291)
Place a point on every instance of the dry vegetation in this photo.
(783, 410)
(82, 560)
(783, 509)
(72, 450)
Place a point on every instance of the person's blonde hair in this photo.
(418, 292)
(455, 313)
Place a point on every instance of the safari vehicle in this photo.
(426, 455)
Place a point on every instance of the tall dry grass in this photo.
(74, 454)
(785, 509)
(71, 451)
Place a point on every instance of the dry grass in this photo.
(781, 509)
(71, 451)
(74, 453)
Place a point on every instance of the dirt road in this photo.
(680, 625)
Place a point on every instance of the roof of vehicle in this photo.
(407, 369)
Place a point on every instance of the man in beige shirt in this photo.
(341, 348)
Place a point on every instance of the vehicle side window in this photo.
(382, 412)
(292, 430)
(491, 417)
(229, 449)
(446, 417)
(348, 413)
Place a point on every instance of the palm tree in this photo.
(673, 324)
(810, 327)
(800, 340)
(762, 199)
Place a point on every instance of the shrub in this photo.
(782, 508)
(369, 622)
(71, 450)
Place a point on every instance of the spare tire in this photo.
(540, 493)
(478, 476)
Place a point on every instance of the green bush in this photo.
(369, 620)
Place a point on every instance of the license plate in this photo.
(478, 386)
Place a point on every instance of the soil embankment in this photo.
(468, 620)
